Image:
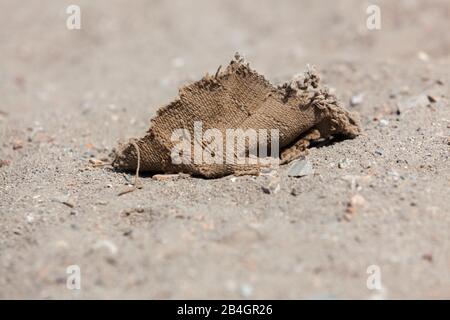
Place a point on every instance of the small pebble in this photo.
(273, 187)
(432, 99)
(18, 144)
(300, 168)
(246, 290)
(357, 99)
(96, 162)
(423, 56)
(30, 218)
(4, 163)
(165, 177)
(428, 257)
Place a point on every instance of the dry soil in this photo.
(68, 96)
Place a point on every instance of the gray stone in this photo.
(272, 187)
(300, 168)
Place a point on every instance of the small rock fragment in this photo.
(432, 99)
(357, 99)
(165, 177)
(127, 233)
(273, 186)
(428, 257)
(4, 163)
(30, 218)
(423, 56)
(300, 168)
(18, 144)
(246, 290)
(96, 162)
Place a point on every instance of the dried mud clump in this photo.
(239, 98)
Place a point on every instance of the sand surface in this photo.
(69, 96)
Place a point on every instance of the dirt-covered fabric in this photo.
(240, 98)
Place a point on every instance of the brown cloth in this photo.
(239, 98)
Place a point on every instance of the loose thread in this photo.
(137, 182)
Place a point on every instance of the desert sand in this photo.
(69, 96)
